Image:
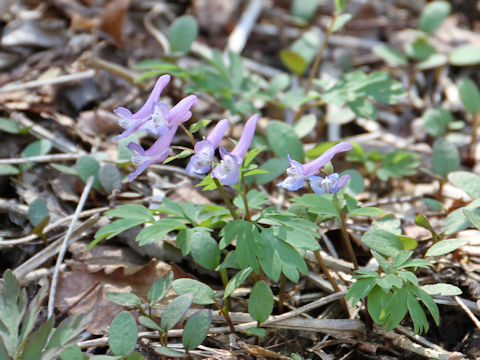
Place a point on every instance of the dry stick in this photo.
(332, 281)
(41, 158)
(467, 311)
(238, 37)
(52, 81)
(63, 248)
(348, 242)
(52, 226)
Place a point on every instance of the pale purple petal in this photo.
(200, 162)
(246, 137)
(157, 122)
(315, 184)
(313, 166)
(147, 161)
(126, 121)
(343, 181)
(295, 178)
(228, 171)
(218, 132)
(179, 111)
(146, 110)
(162, 143)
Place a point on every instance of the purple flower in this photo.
(157, 153)
(154, 116)
(297, 173)
(131, 122)
(331, 184)
(204, 150)
(228, 171)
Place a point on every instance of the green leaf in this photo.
(110, 178)
(422, 221)
(86, 167)
(183, 32)
(383, 242)
(340, 21)
(340, 5)
(445, 246)
(360, 289)
(363, 108)
(457, 220)
(283, 141)
(175, 311)
(390, 55)
(441, 290)
(124, 299)
(158, 230)
(202, 294)
(366, 211)
(304, 9)
(205, 250)
(377, 301)
(160, 288)
(122, 335)
(436, 121)
(181, 155)
(166, 351)
(131, 211)
(207, 183)
(275, 168)
(236, 281)
(397, 164)
(7, 169)
(408, 242)
(445, 157)
(465, 55)
(317, 204)
(420, 49)
(473, 217)
(466, 181)
(64, 169)
(113, 229)
(470, 96)
(256, 199)
(255, 332)
(37, 211)
(298, 57)
(198, 125)
(67, 333)
(433, 15)
(37, 340)
(36, 148)
(9, 126)
(196, 329)
(388, 223)
(260, 303)
(149, 323)
(72, 353)
(433, 61)
(293, 61)
(304, 125)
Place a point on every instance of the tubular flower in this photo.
(204, 150)
(131, 122)
(331, 184)
(297, 173)
(228, 171)
(157, 153)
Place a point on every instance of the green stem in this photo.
(228, 303)
(475, 124)
(225, 198)
(243, 194)
(189, 135)
(226, 315)
(316, 64)
(281, 297)
(346, 238)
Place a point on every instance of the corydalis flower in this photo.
(154, 116)
(228, 171)
(297, 173)
(204, 150)
(331, 184)
(157, 153)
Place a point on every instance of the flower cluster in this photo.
(160, 120)
(157, 118)
(297, 173)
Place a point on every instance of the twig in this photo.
(41, 158)
(467, 311)
(238, 37)
(52, 81)
(52, 226)
(63, 248)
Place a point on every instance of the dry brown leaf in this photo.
(74, 290)
(113, 18)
